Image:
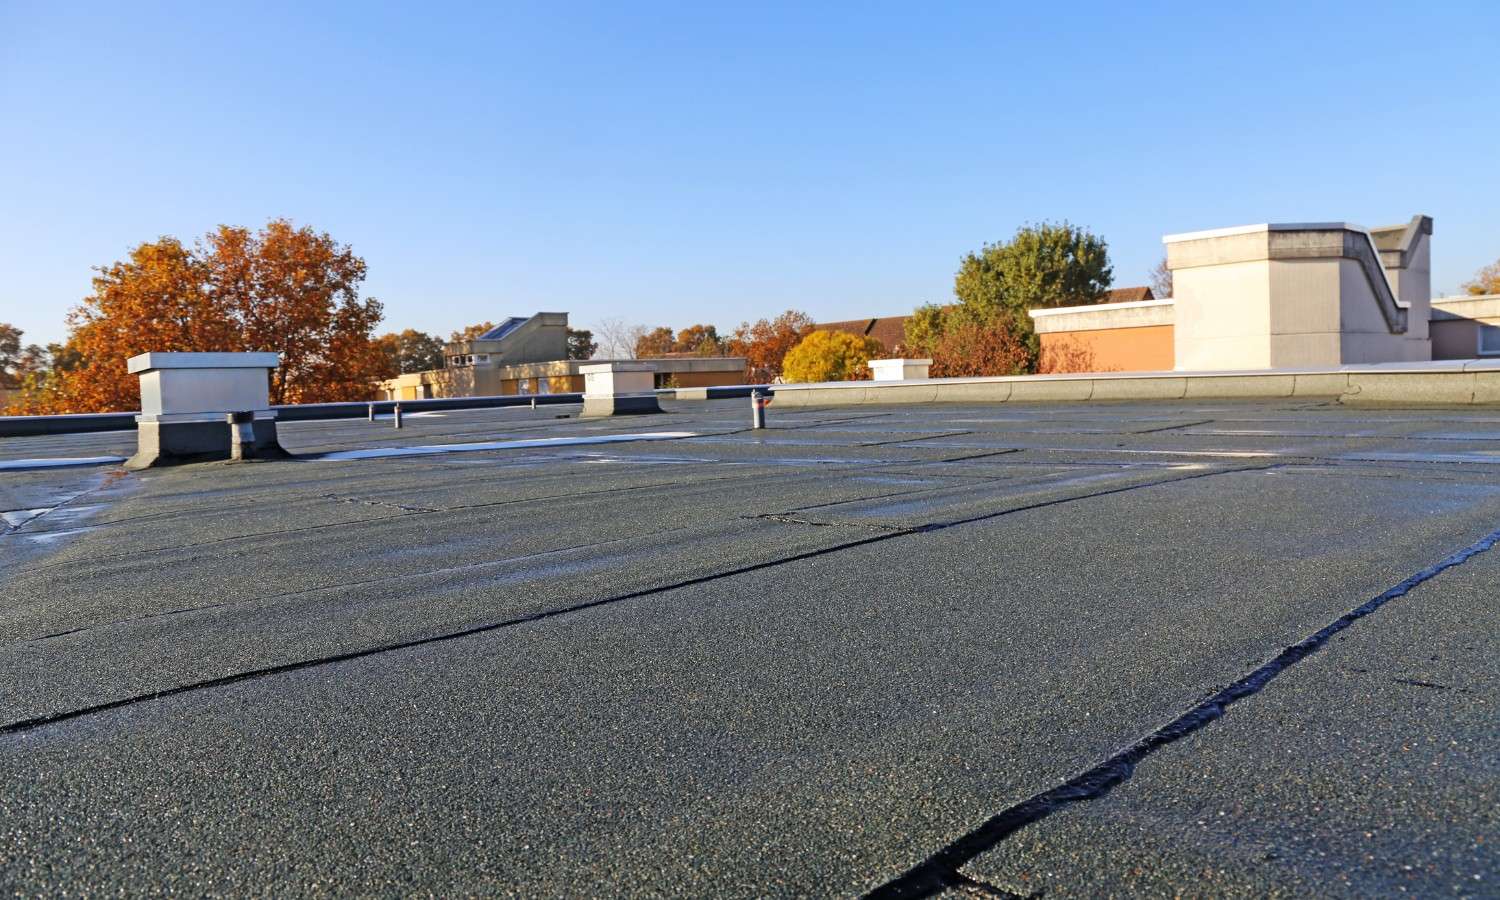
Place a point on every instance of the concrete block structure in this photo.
(619, 388)
(518, 339)
(186, 397)
(899, 369)
(1277, 296)
(1290, 295)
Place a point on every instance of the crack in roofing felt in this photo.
(942, 869)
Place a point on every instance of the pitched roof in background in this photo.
(852, 326)
(1128, 294)
(890, 331)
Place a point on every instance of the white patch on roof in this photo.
(58, 463)
(15, 518)
(533, 443)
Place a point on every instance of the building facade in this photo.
(1280, 296)
(529, 355)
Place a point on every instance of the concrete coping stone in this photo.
(1434, 367)
(1049, 311)
(1259, 228)
(599, 368)
(147, 362)
(261, 415)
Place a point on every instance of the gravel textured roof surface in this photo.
(932, 650)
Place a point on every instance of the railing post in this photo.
(397, 412)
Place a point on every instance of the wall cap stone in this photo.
(146, 362)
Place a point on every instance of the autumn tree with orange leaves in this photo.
(291, 290)
(766, 343)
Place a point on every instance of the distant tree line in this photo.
(296, 291)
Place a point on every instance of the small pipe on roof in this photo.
(241, 435)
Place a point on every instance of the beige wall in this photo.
(1293, 296)
(1223, 319)
(1406, 255)
(1455, 324)
(1323, 312)
(1456, 339)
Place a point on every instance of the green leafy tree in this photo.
(831, 356)
(411, 351)
(581, 344)
(38, 373)
(1046, 265)
(18, 360)
(923, 328)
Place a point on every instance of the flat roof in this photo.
(863, 650)
(1263, 226)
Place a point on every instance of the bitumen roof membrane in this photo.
(1195, 648)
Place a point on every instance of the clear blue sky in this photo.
(713, 162)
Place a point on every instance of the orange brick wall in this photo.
(1146, 349)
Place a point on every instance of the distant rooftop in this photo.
(1128, 294)
(890, 331)
(504, 328)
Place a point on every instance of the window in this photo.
(1489, 340)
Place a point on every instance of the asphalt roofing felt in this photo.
(932, 650)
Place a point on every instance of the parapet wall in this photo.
(1456, 383)
(1136, 336)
